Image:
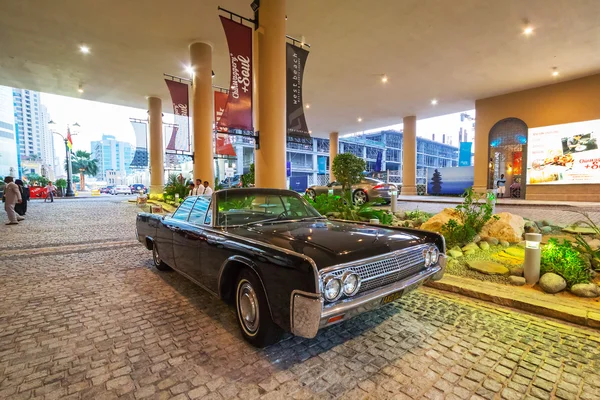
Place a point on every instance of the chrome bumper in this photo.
(308, 313)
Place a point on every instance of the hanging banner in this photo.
(321, 165)
(223, 144)
(140, 157)
(295, 62)
(179, 139)
(238, 111)
(379, 161)
(171, 159)
(464, 154)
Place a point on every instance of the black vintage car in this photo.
(283, 265)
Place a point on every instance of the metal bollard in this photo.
(531, 265)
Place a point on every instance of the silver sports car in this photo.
(368, 189)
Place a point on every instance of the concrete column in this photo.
(334, 142)
(409, 156)
(481, 161)
(270, 158)
(202, 115)
(157, 162)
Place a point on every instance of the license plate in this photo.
(396, 295)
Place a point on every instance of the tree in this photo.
(348, 170)
(61, 184)
(35, 179)
(248, 179)
(83, 164)
(436, 182)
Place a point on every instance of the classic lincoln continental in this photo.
(285, 266)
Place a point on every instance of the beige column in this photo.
(202, 111)
(409, 156)
(333, 152)
(481, 160)
(157, 162)
(271, 157)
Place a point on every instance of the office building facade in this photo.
(112, 155)
(9, 156)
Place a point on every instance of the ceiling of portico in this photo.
(453, 51)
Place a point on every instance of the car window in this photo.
(333, 184)
(199, 211)
(208, 219)
(184, 209)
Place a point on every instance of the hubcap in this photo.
(360, 197)
(248, 307)
(155, 255)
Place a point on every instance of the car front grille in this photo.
(387, 268)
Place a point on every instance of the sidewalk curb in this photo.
(510, 296)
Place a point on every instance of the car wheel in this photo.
(359, 197)
(158, 263)
(253, 313)
(311, 194)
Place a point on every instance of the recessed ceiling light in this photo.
(528, 30)
(80, 90)
(310, 132)
(308, 106)
(189, 69)
(359, 119)
(384, 79)
(84, 49)
(434, 102)
(555, 72)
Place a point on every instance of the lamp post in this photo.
(69, 192)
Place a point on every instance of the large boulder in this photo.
(552, 283)
(517, 280)
(436, 222)
(508, 227)
(585, 290)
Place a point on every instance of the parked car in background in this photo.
(120, 189)
(138, 188)
(234, 181)
(284, 266)
(106, 189)
(368, 189)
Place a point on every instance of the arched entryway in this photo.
(508, 156)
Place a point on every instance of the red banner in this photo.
(238, 111)
(223, 144)
(180, 137)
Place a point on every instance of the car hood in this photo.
(335, 242)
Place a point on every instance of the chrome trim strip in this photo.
(369, 260)
(348, 304)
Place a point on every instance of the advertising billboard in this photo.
(449, 180)
(564, 154)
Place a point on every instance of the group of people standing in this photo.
(15, 198)
(199, 188)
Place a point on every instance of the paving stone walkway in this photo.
(96, 321)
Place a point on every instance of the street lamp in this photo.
(69, 192)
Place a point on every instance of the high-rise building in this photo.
(112, 155)
(34, 138)
(9, 156)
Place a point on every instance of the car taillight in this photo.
(379, 187)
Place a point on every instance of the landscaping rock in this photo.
(476, 239)
(488, 267)
(491, 240)
(436, 222)
(516, 252)
(469, 252)
(521, 244)
(531, 227)
(546, 230)
(585, 290)
(504, 243)
(545, 222)
(584, 230)
(455, 253)
(594, 244)
(517, 271)
(484, 245)
(517, 280)
(400, 214)
(552, 283)
(509, 227)
(470, 246)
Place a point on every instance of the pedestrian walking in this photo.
(12, 196)
(51, 189)
(21, 208)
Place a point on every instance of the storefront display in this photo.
(564, 154)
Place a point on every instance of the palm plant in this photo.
(83, 164)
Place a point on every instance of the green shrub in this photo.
(174, 186)
(248, 179)
(417, 214)
(348, 170)
(563, 259)
(342, 209)
(474, 212)
(582, 245)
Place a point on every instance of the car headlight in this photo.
(427, 257)
(435, 254)
(333, 288)
(351, 283)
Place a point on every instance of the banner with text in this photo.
(238, 110)
(223, 144)
(295, 62)
(464, 154)
(179, 139)
(564, 154)
(140, 157)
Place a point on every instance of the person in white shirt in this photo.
(207, 190)
(199, 188)
(192, 187)
(12, 196)
(51, 189)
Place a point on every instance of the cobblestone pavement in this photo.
(556, 214)
(98, 322)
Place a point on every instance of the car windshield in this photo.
(237, 207)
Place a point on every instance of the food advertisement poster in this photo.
(564, 154)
